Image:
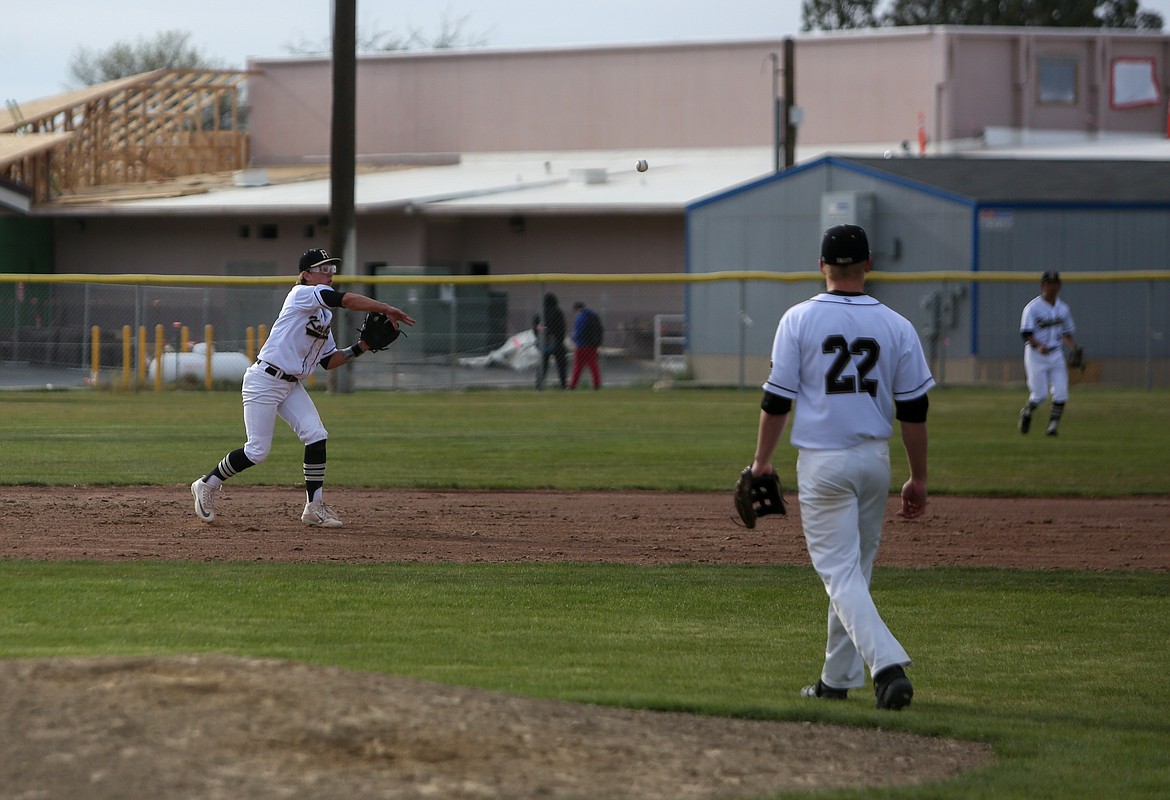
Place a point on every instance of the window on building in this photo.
(1057, 80)
(1134, 83)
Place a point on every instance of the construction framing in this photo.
(151, 127)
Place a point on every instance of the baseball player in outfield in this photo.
(1046, 323)
(850, 365)
(300, 340)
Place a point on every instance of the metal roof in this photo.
(605, 182)
(1015, 181)
(567, 182)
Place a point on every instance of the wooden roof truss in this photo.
(167, 124)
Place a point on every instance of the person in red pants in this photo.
(587, 336)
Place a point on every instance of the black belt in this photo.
(275, 372)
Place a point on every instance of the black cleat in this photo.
(1025, 423)
(823, 692)
(893, 689)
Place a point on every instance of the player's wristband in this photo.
(355, 350)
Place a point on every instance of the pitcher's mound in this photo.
(220, 726)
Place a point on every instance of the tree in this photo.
(167, 50)
(1127, 14)
(837, 14)
(452, 33)
(834, 15)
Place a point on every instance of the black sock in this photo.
(233, 463)
(314, 468)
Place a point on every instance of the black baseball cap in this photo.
(844, 244)
(1050, 277)
(316, 257)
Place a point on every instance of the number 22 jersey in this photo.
(844, 359)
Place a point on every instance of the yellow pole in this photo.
(158, 357)
(207, 334)
(126, 357)
(141, 356)
(250, 346)
(95, 355)
(263, 334)
(184, 339)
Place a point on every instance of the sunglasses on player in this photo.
(328, 269)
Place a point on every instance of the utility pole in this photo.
(777, 113)
(785, 115)
(342, 163)
(790, 121)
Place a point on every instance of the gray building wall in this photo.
(1075, 239)
(775, 225)
(970, 330)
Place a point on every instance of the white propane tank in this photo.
(224, 366)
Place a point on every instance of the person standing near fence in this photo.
(1046, 324)
(848, 365)
(587, 336)
(301, 339)
(549, 329)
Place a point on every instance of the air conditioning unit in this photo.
(848, 208)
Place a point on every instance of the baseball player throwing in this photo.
(300, 340)
(1045, 324)
(850, 365)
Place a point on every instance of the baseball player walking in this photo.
(850, 365)
(1045, 324)
(300, 340)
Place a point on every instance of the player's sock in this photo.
(1054, 418)
(314, 470)
(1057, 412)
(233, 463)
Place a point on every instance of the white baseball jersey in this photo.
(300, 336)
(844, 359)
(1048, 322)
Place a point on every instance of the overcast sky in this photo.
(41, 36)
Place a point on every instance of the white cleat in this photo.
(320, 515)
(204, 500)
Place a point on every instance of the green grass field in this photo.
(1059, 671)
(1112, 443)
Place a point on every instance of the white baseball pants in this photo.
(1047, 373)
(843, 496)
(267, 397)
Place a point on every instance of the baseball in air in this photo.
(642, 166)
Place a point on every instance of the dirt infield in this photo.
(263, 524)
(214, 726)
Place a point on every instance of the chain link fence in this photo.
(66, 331)
(146, 332)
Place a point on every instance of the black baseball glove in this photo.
(1076, 358)
(758, 496)
(377, 331)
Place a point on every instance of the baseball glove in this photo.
(758, 496)
(377, 331)
(1076, 358)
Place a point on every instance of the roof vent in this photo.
(588, 175)
(250, 177)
